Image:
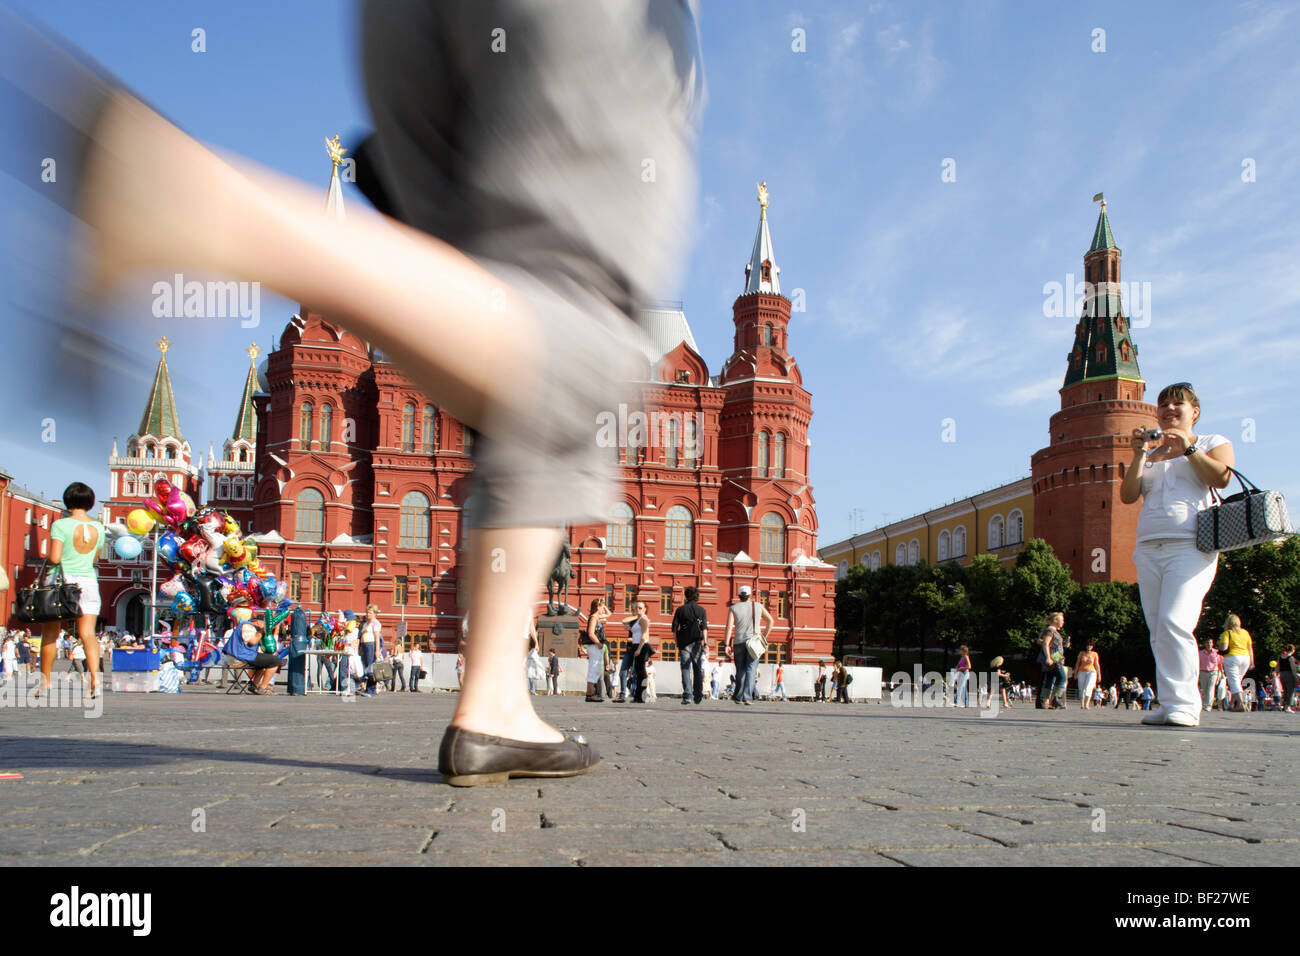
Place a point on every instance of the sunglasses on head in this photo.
(1186, 385)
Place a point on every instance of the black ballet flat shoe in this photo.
(468, 759)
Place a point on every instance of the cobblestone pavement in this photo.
(321, 781)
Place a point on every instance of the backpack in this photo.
(688, 628)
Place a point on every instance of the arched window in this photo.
(914, 552)
(408, 427)
(468, 434)
(311, 517)
(762, 454)
(674, 442)
(959, 542)
(148, 449)
(326, 426)
(428, 430)
(677, 534)
(223, 487)
(842, 570)
(945, 545)
(875, 560)
(900, 554)
(778, 456)
(304, 427)
(767, 334)
(1015, 527)
(128, 483)
(772, 539)
(618, 532)
(415, 520)
(237, 489)
(466, 521)
(691, 450)
(995, 532)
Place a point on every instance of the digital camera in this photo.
(1152, 434)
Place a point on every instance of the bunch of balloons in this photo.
(213, 567)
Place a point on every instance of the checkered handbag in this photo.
(1249, 517)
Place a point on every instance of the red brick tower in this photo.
(766, 506)
(1077, 477)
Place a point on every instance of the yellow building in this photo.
(998, 522)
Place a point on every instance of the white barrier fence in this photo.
(798, 678)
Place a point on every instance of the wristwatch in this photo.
(1191, 450)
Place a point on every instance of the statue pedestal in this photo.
(559, 631)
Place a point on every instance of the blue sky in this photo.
(925, 298)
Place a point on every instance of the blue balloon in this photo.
(268, 587)
(127, 547)
(168, 546)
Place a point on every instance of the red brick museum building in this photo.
(356, 485)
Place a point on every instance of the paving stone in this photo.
(357, 783)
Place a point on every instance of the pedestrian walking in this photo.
(819, 685)
(1147, 695)
(607, 671)
(399, 669)
(533, 667)
(553, 674)
(1288, 671)
(1087, 667)
(1210, 667)
(961, 694)
(690, 631)
(779, 686)
(76, 543)
(842, 681)
(592, 647)
(638, 627)
(1238, 657)
(23, 653)
(1051, 657)
(715, 672)
(508, 178)
(1175, 480)
(8, 659)
(746, 619)
(417, 667)
(650, 696)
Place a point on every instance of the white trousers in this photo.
(1235, 669)
(1173, 577)
(1087, 681)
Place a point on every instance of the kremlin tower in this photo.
(1076, 478)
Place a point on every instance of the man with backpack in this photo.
(690, 629)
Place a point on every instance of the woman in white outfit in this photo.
(1173, 480)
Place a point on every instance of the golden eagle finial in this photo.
(335, 150)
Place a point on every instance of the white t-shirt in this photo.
(78, 653)
(1173, 494)
(417, 658)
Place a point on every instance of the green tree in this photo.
(1110, 613)
(989, 621)
(1040, 584)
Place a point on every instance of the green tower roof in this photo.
(1103, 339)
(246, 421)
(159, 416)
(1101, 236)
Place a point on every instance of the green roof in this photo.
(246, 422)
(1101, 237)
(159, 416)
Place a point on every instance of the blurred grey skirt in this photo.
(552, 143)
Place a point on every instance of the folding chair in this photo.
(241, 682)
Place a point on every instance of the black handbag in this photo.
(1249, 517)
(41, 603)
